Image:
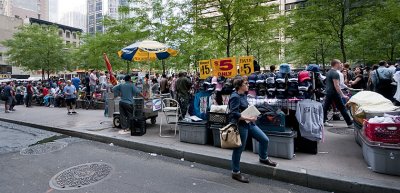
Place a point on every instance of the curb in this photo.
(308, 178)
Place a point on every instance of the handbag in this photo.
(230, 137)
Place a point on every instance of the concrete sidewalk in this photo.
(339, 167)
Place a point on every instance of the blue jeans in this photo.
(256, 133)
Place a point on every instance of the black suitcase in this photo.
(138, 126)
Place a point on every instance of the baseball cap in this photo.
(304, 75)
(253, 78)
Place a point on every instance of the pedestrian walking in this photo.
(70, 97)
(334, 94)
(237, 104)
(126, 91)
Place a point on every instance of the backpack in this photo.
(3, 95)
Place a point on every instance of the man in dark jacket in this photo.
(183, 85)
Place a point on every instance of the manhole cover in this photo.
(81, 176)
(43, 148)
(342, 131)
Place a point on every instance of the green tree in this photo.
(229, 21)
(377, 37)
(38, 47)
(334, 17)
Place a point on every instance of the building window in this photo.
(75, 44)
(68, 34)
(99, 16)
(60, 33)
(67, 42)
(74, 36)
(99, 29)
(91, 30)
(98, 6)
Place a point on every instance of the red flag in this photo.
(113, 80)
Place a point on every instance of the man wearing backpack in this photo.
(382, 78)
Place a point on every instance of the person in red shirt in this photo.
(45, 91)
(29, 95)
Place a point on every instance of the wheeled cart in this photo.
(149, 108)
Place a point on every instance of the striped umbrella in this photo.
(146, 51)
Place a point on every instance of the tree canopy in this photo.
(38, 47)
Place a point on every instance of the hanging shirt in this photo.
(396, 78)
(201, 104)
(310, 115)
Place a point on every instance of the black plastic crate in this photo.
(218, 118)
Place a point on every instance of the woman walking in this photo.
(237, 104)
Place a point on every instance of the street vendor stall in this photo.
(144, 109)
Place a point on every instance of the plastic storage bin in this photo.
(272, 123)
(357, 133)
(382, 132)
(193, 132)
(382, 158)
(281, 144)
(215, 132)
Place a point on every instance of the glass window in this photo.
(68, 42)
(74, 35)
(99, 28)
(98, 6)
(60, 33)
(68, 34)
(91, 30)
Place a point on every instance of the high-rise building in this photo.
(30, 9)
(53, 10)
(97, 9)
(5, 7)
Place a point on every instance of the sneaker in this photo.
(326, 124)
(12, 110)
(268, 162)
(69, 113)
(74, 112)
(7, 111)
(240, 177)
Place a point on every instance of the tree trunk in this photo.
(48, 74)
(228, 41)
(342, 46)
(341, 34)
(323, 56)
(163, 66)
(43, 74)
(127, 67)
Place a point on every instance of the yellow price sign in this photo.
(205, 69)
(246, 65)
(225, 67)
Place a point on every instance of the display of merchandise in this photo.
(292, 85)
(260, 85)
(252, 81)
(201, 104)
(270, 84)
(281, 86)
(310, 114)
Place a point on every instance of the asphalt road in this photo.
(131, 171)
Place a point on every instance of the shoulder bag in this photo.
(230, 136)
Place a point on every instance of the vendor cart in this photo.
(150, 110)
